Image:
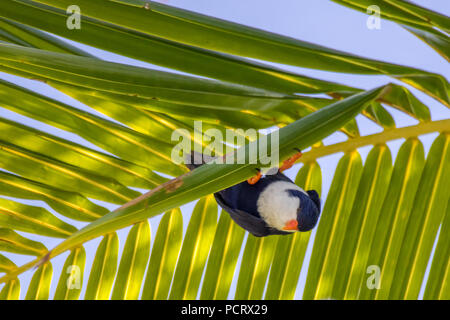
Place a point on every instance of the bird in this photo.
(267, 205)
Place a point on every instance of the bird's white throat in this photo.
(276, 206)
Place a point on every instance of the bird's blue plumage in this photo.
(244, 196)
(310, 207)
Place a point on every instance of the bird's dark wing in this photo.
(256, 226)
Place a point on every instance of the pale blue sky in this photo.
(319, 21)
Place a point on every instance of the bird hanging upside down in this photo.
(272, 204)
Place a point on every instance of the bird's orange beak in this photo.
(291, 225)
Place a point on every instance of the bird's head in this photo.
(288, 208)
(308, 211)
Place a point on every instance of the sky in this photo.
(322, 22)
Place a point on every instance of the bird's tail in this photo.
(196, 159)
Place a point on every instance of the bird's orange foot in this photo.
(290, 162)
(255, 179)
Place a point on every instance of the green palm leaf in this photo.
(106, 163)
(71, 279)
(164, 256)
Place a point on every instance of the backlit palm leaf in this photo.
(375, 215)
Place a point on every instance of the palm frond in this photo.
(376, 216)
